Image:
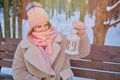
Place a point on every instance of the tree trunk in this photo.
(14, 17)
(91, 7)
(20, 11)
(53, 7)
(0, 32)
(25, 2)
(6, 18)
(82, 10)
(100, 29)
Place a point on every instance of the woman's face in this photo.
(44, 26)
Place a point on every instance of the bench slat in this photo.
(5, 63)
(8, 48)
(9, 45)
(96, 75)
(95, 65)
(4, 55)
(104, 53)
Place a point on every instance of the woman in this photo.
(41, 56)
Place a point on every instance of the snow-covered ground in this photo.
(64, 26)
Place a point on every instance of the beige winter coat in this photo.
(29, 64)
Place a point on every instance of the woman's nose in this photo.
(43, 28)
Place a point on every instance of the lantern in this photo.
(72, 43)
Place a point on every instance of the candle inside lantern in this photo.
(72, 43)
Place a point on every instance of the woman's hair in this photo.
(48, 23)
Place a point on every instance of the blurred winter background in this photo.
(64, 25)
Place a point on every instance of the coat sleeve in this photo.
(84, 47)
(66, 72)
(18, 67)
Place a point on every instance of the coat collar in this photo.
(34, 56)
(26, 43)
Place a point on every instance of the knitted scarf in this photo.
(44, 41)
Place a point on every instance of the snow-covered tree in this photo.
(106, 12)
(20, 14)
(14, 17)
(6, 18)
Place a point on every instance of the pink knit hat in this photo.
(36, 15)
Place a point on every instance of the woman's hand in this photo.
(80, 26)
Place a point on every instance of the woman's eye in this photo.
(46, 25)
(39, 26)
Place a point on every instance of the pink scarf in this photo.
(44, 41)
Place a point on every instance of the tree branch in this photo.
(110, 8)
(115, 22)
(109, 24)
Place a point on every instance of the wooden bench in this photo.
(103, 63)
(7, 49)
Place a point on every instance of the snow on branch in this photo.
(111, 23)
(106, 22)
(115, 22)
(109, 8)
